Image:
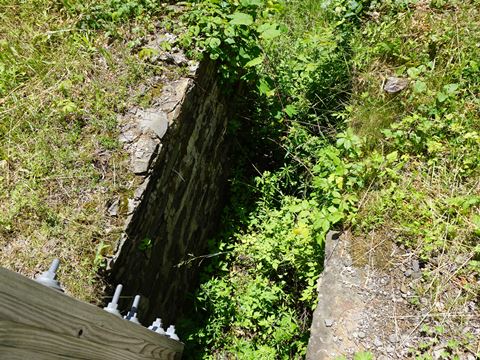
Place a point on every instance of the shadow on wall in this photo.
(178, 206)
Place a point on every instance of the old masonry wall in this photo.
(178, 147)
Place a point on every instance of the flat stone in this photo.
(395, 84)
(129, 134)
(143, 151)
(173, 96)
(192, 67)
(178, 59)
(141, 189)
(113, 209)
(153, 119)
(333, 303)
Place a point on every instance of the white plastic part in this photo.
(157, 327)
(171, 332)
(112, 306)
(47, 278)
(133, 318)
(132, 314)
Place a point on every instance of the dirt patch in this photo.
(365, 307)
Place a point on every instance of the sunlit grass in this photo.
(60, 90)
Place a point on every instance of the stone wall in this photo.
(179, 148)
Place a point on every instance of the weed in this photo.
(61, 84)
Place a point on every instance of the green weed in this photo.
(61, 87)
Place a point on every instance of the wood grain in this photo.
(25, 302)
(10, 353)
(32, 338)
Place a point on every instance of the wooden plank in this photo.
(26, 302)
(32, 338)
(10, 353)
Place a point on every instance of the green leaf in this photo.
(269, 31)
(247, 3)
(254, 62)
(240, 18)
(264, 88)
(68, 107)
(291, 110)
(147, 52)
(441, 97)
(476, 220)
(270, 34)
(450, 89)
(419, 86)
(214, 42)
(363, 356)
(393, 156)
(413, 72)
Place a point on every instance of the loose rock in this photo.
(393, 338)
(415, 265)
(113, 209)
(395, 84)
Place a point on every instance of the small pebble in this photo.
(328, 322)
(415, 265)
(377, 342)
(393, 338)
(361, 334)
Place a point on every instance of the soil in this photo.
(368, 301)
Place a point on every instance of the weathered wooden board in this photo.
(10, 353)
(32, 338)
(27, 303)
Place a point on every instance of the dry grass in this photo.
(430, 205)
(60, 163)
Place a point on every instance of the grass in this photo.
(431, 205)
(257, 291)
(68, 69)
(61, 88)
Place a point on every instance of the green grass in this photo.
(406, 169)
(61, 88)
(257, 292)
(431, 203)
(67, 69)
